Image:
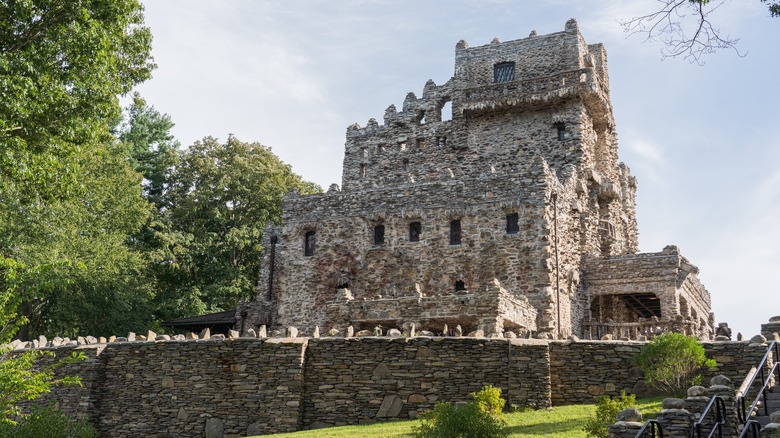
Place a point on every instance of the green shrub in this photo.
(482, 417)
(607, 409)
(47, 422)
(672, 362)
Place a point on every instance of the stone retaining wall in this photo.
(240, 387)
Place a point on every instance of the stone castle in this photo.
(512, 218)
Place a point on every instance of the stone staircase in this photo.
(772, 402)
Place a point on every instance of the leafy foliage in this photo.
(672, 362)
(482, 417)
(62, 65)
(67, 268)
(50, 423)
(607, 409)
(20, 380)
(206, 241)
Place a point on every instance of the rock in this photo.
(775, 319)
(254, 429)
(205, 334)
(292, 332)
(698, 391)
(182, 414)
(739, 336)
(277, 334)
(574, 338)
(510, 335)
(479, 333)
(607, 337)
(445, 330)
(102, 340)
(218, 336)
(150, 335)
(721, 338)
(758, 339)
(250, 333)
(350, 331)
(316, 333)
(774, 417)
(458, 331)
(42, 341)
(192, 336)
(56, 342)
(233, 334)
(394, 333)
(35, 343)
(412, 330)
(179, 337)
(364, 333)
(215, 428)
(141, 338)
(334, 332)
(381, 370)
(111, 339)
(377, 331)
(391, 406)
(720, 380)
(416, 398)
(121, 339)
(630, 414)
(131, 337)
(81, 341)
(426, 333)
(91, 340)
(162, 338)
(673, 403)
(262, 332)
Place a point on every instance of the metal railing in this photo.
(720, 419)
(752, 426)
(654, 427)
(766, 382)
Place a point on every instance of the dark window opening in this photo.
(420, 144)
(512, 223)
(343, 286)
(504, 72)
(379, 235)
(460, 285)
(455, 232)
(561, 129)
(441, 141)
(308, 244)
(415, 229)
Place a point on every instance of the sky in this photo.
(702, 140)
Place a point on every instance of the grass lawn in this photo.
(563, 421)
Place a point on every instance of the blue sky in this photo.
(701, 140)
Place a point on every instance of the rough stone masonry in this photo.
(514, 215)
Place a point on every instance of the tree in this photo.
(672, 362)
(219, 199)
(62, 65)
(68, 261)
(685, 29)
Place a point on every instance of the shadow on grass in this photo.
(548, 428)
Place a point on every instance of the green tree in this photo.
(219, 199)
(62, 65)
(672, 362)
(22, 378)
(68, 261)
(685, 28)
(482, 417)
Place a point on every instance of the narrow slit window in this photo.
(308, 244)
(512, 223)
(415, 229)
(561, 130)
(379, 235)
(455, 232)
(504, 72)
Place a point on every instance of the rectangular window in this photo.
(561, 131)
(415, 229)
(379, 235)
(308, 244)
(512, 223)
(504, 72)
(455, 232)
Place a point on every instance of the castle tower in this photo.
(483, 219)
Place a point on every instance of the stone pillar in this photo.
(769, 329)
(629, 421)
(675, 420)
(720, 385)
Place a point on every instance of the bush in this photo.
(672, 362)
(482, 417)
(48, 422)
(607, 409)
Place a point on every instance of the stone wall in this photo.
(248, 386)
(350, 381)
